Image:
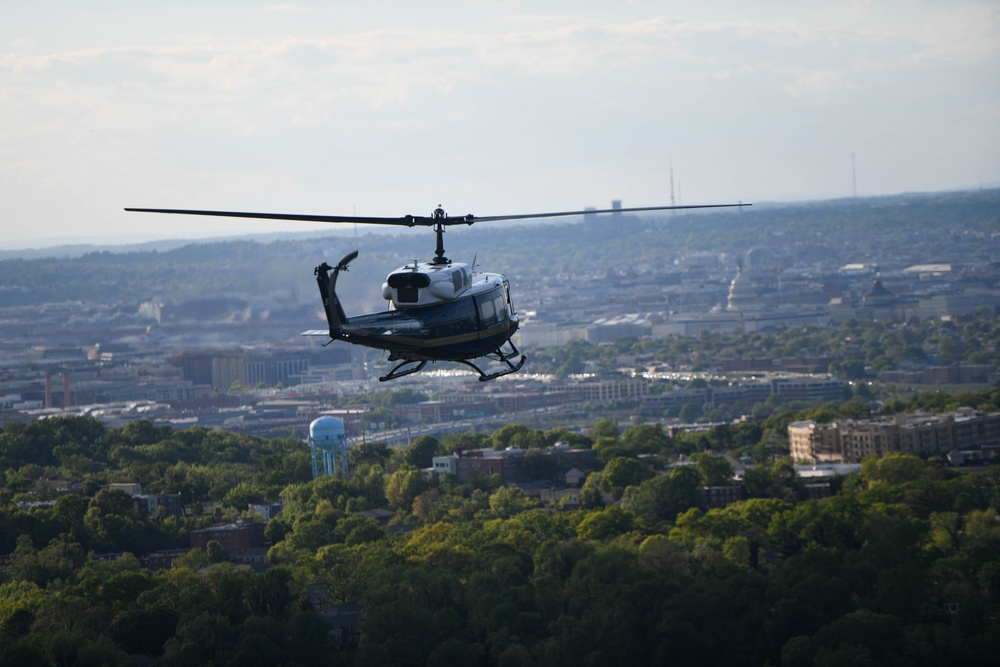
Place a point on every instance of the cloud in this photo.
(817, 83)
(285, 8)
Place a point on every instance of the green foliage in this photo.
(714, 470)
(421, 452)
(604, 524)
(403, 487)
(622, 472)
(900, 566)
(143, 631)
(509, 501)
(892, 469)
(603, 428)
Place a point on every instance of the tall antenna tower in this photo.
(672, 182)
(854, 177)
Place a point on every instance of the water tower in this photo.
(328, 445)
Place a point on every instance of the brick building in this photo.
(235, 538)
(508, 464)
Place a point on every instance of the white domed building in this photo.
(742, 295)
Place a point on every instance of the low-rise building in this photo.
(509, 464)
(917, 433)
(235, 538)
(717, 497)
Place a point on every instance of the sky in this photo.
(388, 108)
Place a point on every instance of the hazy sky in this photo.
(487, 107)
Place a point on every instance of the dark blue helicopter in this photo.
(439, 310)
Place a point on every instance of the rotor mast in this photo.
(439, 217)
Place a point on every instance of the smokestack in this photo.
(48, 390)
(66, 399)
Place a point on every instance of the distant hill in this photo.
(268, 267)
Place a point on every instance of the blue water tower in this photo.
(328, 444)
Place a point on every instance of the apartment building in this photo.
(917, 433)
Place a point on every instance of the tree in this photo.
(215, 551)
(421, 452)
(894, 468)
(605, 524)
(143, 631)
(511, 435)
(539, 466)
(591, 496)
(403, 487)
(112, 501)
(378, 453)
(603, 428)
(622, 472)
(648, 438)
(662, 497)
(242, 495)
(509, 501)
(69, 510)
(270, 594)
(714, 470)
(690, 412)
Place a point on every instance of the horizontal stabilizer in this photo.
(316, 332)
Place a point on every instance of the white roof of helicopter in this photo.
(425, 283)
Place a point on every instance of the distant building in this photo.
(219, 369)
(344, 621)
(507, 464)
(917, 433)
(804, 388)
(936, 375)
(235, 538)
(742, 295)
(162, 560)
(267, 511)
(817, 490)
(131, 488)
(255, 559)
(381, 516)
(157, 504)
(717, 497)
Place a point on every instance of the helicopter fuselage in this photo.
(438, 311)
(471, 325)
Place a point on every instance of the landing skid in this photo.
(394, 373)
(498, 355)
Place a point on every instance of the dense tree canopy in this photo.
(901, 565)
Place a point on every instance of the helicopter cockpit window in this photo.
(487, 312)
(500, 305)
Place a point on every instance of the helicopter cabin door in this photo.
(493, 315)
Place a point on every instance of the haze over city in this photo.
(486, 107)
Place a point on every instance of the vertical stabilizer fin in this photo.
(327, 283)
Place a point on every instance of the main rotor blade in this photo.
(406, 221)
(417, 220)
(603, 210)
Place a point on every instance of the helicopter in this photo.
(438, 310)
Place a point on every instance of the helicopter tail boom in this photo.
(327, 283)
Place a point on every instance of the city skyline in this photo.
(486, 108)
